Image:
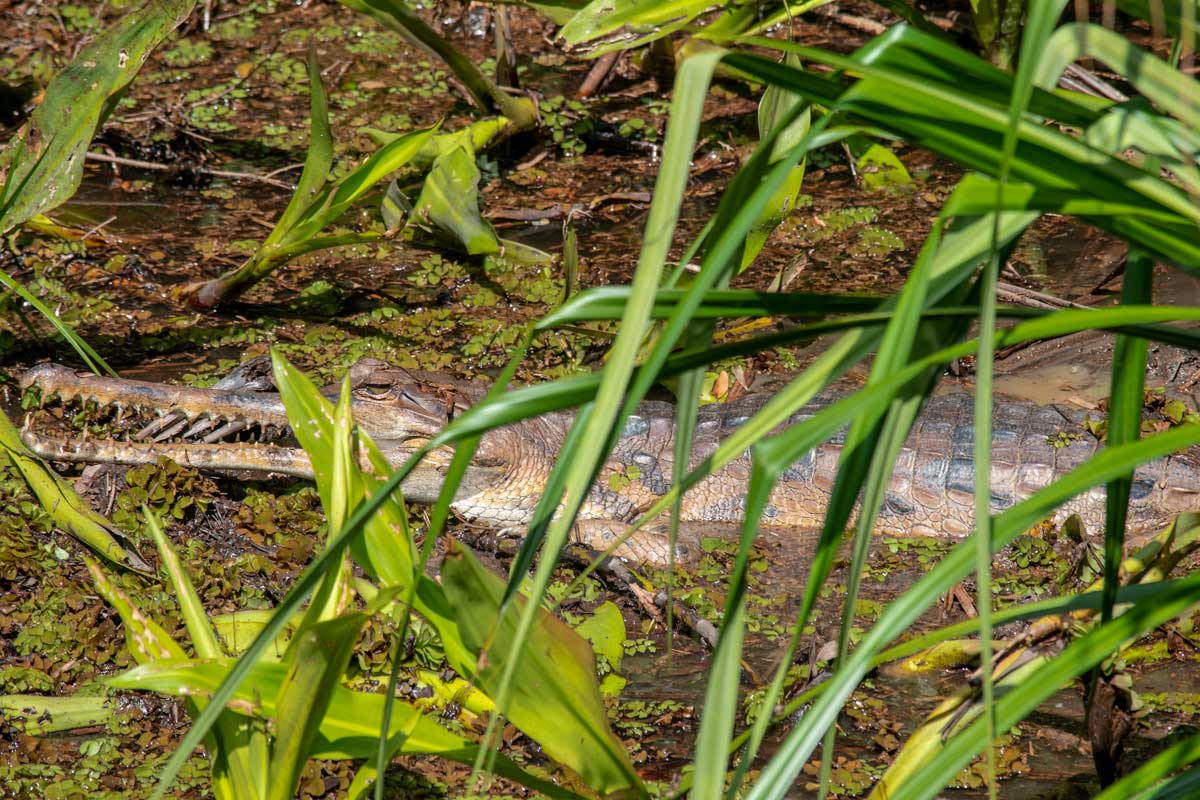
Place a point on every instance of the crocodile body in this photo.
(930, 493)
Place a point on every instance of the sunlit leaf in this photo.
(554, 699)
(450, 202)
(47, 163)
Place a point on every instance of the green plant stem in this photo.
(484, 92)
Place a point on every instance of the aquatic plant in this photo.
(1031, 151)
(47, 161)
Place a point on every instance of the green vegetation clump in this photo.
(1003, 153)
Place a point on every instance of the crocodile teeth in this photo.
(156, 426)
(225, 430)
(171, 431)
(203, 424)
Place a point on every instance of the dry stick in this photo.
(97, 228)
(218, 173)
(867, 26)
(1018, 295)
(1084, 81)
(598, 73)
(620, 575)
(692, 620)
(566, 209)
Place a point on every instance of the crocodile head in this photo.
(236, 425)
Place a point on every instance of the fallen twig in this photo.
(569, 210)
(216, 173)
(598, 74)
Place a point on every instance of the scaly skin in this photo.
(930, 492)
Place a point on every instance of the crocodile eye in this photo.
(375, 394)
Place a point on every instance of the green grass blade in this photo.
(1022, 697)
(777, 776)
(959, 124)
(317, 161)
(1124, 419)
(1144, 778)
(89, 356)
(576, 466)
(1170, 89)
(581, 464)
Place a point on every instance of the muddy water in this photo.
(1052, 751)
(1055, 741)
(177, 235)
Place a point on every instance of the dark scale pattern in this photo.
(651, 474)
(931, 491)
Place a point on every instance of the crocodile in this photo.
(239, 425)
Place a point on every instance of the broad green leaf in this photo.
(554, 698)
(385, 549)
(351, 723)
(1126, 396)
(388, 554)
(880, 169)
(1170, 89)
(378, 166)
(348, 729)
(47, 163)
(237, 745)
(238, 629)
(603, 17)
(976, 194)
(342, 492)
(315, 664)
(315, 429)
(605, 630)
(477, 137)
(1130, 126)
(779, 109)
(38, 715)
(450, 202)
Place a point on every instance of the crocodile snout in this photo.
(50, 377)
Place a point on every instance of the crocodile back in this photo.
(931, 491)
